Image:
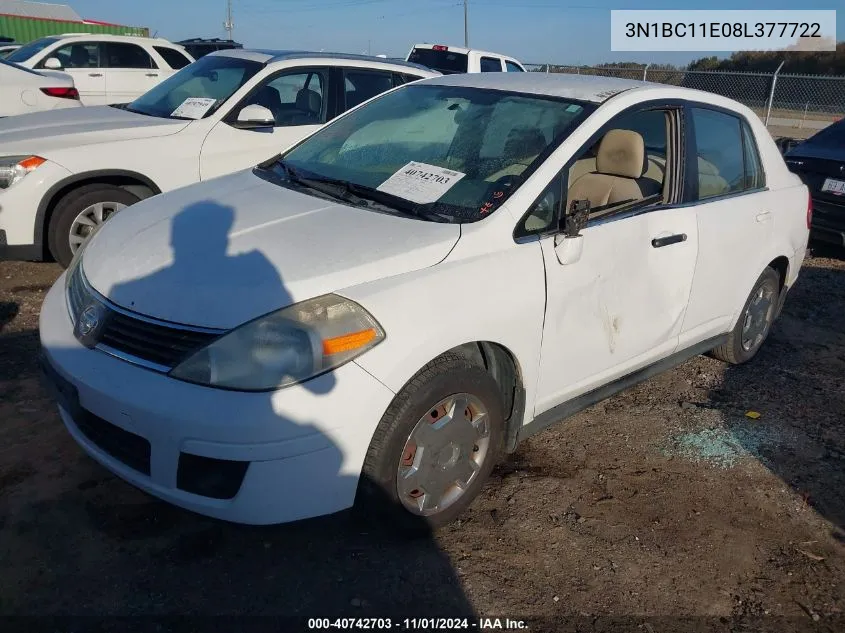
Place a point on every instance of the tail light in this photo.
(809, 212)
(61, 93)
(440, 47)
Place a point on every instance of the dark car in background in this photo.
(820, 162)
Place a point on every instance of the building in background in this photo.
(24, 21)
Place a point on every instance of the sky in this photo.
(534, 31)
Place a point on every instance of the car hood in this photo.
(220, 253)
(72, 127)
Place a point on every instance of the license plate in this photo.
(834, 186)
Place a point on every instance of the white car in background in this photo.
(23, 91)
(8, 49)
(62, 174)
(378, 314)
(105, 68)
(454, 59)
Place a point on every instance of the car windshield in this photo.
(197, 90)
(831, 136)
(28, 51)
(445, 153)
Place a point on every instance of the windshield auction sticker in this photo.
(420, 182)
(194, 108)
(722, 31)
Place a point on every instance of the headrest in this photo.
(308, 101)
(621, 153)
(525, 141)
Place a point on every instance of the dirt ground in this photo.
(665, 502)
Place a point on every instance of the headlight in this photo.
(14, 168)
(285, 347)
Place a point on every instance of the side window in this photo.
(400, 79)
(628, 166)
(77, 55)
(174, 58)
(491, 65)
(544, 212)
(294, 98)
(360, 85)
(754, 177)
(718, 137)
(513, 68)
(120, 55)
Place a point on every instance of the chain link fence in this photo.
(791, 105)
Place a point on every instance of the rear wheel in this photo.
(435, 446)
(754, 324)
(80, 214)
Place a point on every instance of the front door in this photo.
(83, 62)
(298, 100)
(618, 304)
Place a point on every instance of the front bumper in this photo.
(256, 458)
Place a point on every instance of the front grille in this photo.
(162, 344)
(128, 448)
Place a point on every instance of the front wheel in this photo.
(435, 446)
(80, 214)
(753, 327)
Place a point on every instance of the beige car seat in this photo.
(618, 177)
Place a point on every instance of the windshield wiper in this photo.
(362, 196)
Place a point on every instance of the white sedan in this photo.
(63, 174)
(24, 91)
(380, 314)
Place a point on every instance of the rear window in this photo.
(447, 62)
(174, 58)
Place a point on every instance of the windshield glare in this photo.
(214, 78)
(28, 51)
(492, 140)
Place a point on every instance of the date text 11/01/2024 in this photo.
(417, 624)
(721, 29)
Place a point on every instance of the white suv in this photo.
(105, 68)
(62, 174)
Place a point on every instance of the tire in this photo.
(378, 491)
(733, 351)
(71, 206)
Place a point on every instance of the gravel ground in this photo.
(665, 502)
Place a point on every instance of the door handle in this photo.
(95, 74)
(152, 74)
(660, 242)
(763, 216)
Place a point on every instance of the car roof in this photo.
(274, 56)
(112, 36)
(580, 87)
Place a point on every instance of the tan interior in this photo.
(710, 183)
(621, 173)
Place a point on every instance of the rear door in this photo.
(84, 62)
(300, 101)
(735, 217)
(130, 71)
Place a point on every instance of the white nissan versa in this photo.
(377, 315)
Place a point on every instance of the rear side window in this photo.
(174, 58)
(121, 55)
(363, 85)
(754, 176)
(721, 161)
(513, 68)
(491, 65)
(444, 61)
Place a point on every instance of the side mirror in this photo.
(255, 116)
(569, 243)
(53, 63)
